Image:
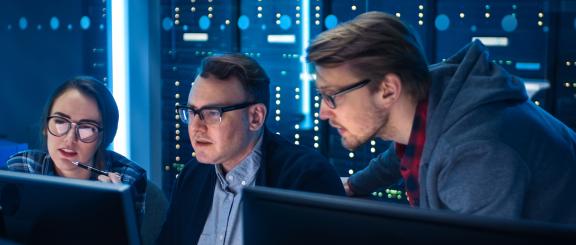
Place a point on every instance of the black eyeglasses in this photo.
(329, 99)
(86, 132)
(210, 114)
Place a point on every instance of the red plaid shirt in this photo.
(410, 154)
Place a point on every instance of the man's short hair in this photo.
(375, 44)
(250, 74)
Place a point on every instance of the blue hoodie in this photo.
(488, 150)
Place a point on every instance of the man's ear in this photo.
(256, 116)
(389, 90)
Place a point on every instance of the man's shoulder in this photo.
(286, 155)
(195, 171)
(194, 183)
(282, 149)
(299, 167)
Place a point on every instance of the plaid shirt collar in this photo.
(410, 154)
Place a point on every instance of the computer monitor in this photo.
(36, 209)
(276, 216)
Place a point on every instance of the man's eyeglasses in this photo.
(209, 115)
(330, 99)
(86, 132)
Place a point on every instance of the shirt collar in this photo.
(244, 172)
(418, 131)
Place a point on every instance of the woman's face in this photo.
(73, 106)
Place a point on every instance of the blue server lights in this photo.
(522, 36)
(42, 44)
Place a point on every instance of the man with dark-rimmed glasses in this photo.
(225, 114)
(330, 100)
(466, 138)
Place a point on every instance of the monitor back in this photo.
(38, 209)
(276, 216)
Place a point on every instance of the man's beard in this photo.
(352, 142)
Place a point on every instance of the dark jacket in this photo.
(284, 165)
(488, 150)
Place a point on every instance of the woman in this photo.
(80, 121)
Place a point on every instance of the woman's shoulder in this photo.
(124, 166)
(29, 161)
(32, 153)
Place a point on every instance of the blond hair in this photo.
(374, 44)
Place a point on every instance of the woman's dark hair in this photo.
(92, 88)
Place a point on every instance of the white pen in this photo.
(92, 169)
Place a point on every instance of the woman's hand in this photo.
(111, 178)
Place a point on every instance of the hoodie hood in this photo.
(466, 81)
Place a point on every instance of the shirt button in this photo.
(243, 182)
(230, 178)
(221, 237)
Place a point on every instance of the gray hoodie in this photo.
(488, 149)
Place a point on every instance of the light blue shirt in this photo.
(224, 223)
